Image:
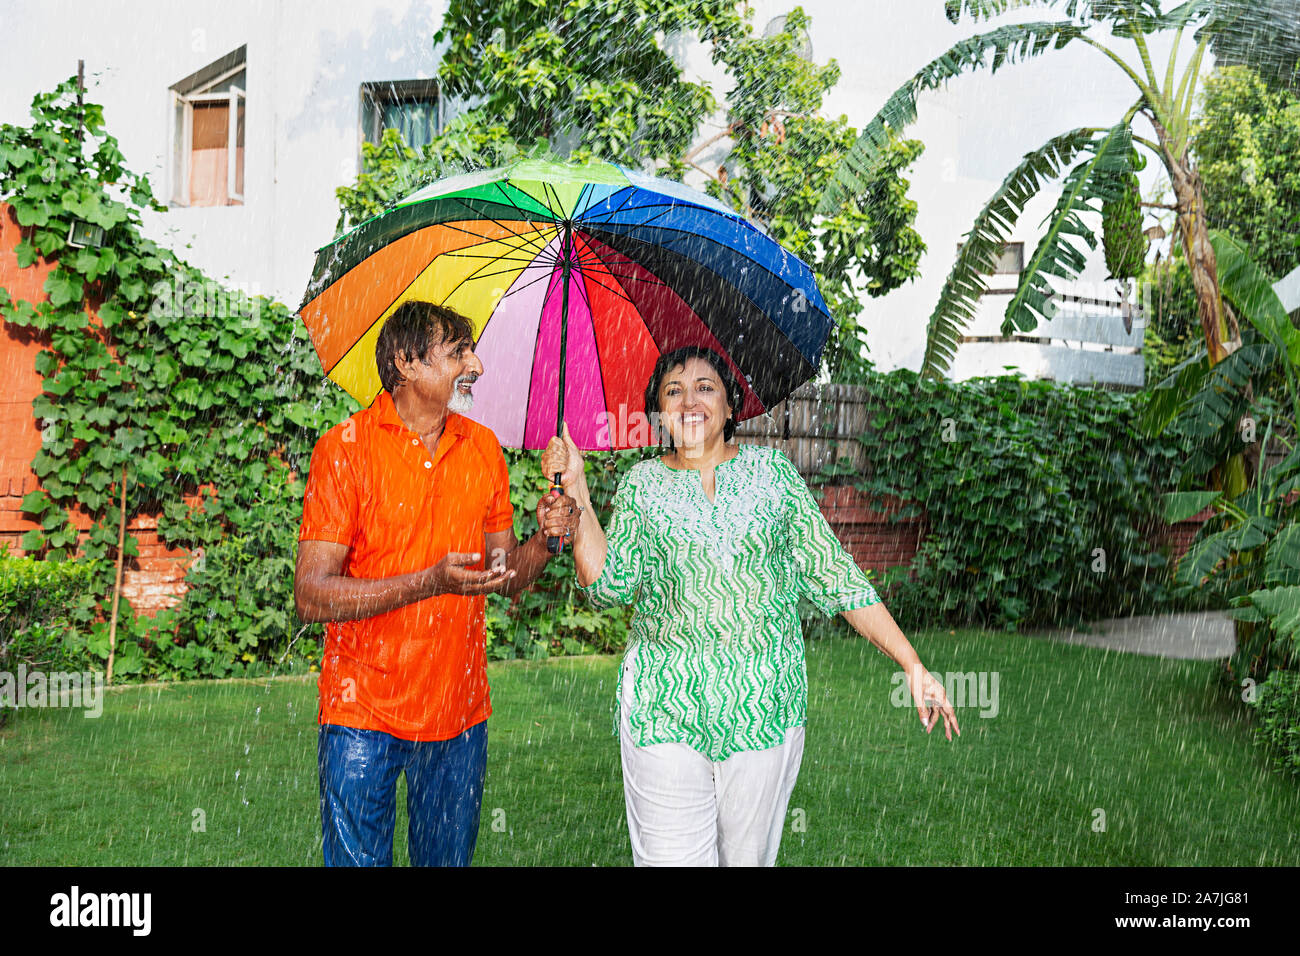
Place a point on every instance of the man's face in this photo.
(444, 378)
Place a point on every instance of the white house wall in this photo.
(306, 61)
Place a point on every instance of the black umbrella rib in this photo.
(479, 235)
(679, 203)
(631, 191)
(510, 199)
(618, 292)
(550, 190)
(657, 215)
(489, 275)
(684, 236)
(529, 284)
(527, 260)
(482, 215)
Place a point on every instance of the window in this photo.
(208, 134)
(1010, 262)
(412, 107)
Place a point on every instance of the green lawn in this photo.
(1154, 744)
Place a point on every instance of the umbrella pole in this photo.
(553, 544)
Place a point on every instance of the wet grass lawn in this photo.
(1092, 758)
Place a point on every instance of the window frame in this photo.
(184, 95)
(374, 95)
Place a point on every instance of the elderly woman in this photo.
(715, 543)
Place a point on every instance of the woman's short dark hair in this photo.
(411, 331)
(671, 360)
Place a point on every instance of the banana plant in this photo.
(1098, 160)
(1250, 550)
(1211, 400)
(1250, 553)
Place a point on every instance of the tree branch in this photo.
(731, 128)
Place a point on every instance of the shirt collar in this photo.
(387, 417)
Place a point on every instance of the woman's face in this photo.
(693, 404)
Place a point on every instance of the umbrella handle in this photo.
(553, 544)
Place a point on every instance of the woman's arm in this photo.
(832, 580)
(590, 547)
(876, 624)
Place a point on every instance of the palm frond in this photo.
(988, 9)
(1167, 397)
(1204, 556)
(1086, 10)
(983, 244)
(1096, 10)
(1008, 44)
(1221, 399)
(1189, 12)
(1246, 286)
(1095, 180)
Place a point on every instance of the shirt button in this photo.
(428, 464)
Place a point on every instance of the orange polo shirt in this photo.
(418, 672)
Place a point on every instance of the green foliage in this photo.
(178, 385)
(1258, 376)
(552, 617)
(1021, 482)
(1248, 553)
(1246, 139)
(1173, 331)
(1263, 35)
(1277, 705)
(593, 79)
(592, 72)
(44, 607)
(1106, 175)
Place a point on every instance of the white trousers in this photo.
(684, 809)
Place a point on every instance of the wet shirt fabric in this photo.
(715, 650)
(418, 672)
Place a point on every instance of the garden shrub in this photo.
(1039, 498)
(1277, 706)
(42, 604)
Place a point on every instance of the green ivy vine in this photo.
(157, 375)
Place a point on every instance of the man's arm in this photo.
(527, 560)
(556, 517)
(322, 593)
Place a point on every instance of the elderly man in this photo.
(406, 503)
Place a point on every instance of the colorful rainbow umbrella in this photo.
(575, 279)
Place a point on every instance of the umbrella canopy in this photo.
(651, 266)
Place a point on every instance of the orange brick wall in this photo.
(150, 582)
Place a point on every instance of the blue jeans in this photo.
(358, 795)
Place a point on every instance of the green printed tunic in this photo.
(715, 650)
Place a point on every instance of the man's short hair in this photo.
(411, 331)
